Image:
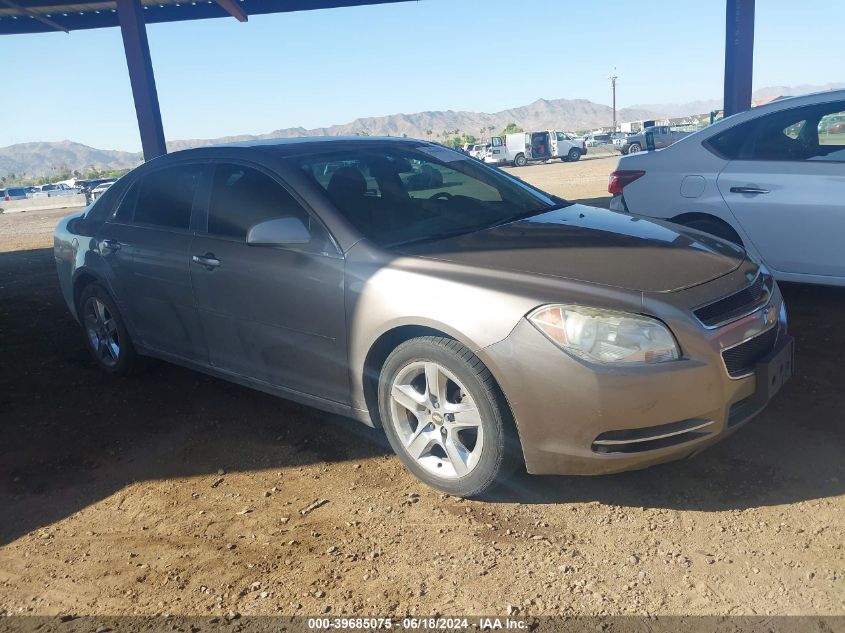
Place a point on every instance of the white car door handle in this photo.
(748, 190)
(208, 260)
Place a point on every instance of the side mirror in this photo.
(278, 232)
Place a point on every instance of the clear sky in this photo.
(318, 68)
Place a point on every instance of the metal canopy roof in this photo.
(42, 16)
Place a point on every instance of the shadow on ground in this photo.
(71, 436)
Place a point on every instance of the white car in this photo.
(771, 179)
(97, 191)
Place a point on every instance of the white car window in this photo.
(809, 133)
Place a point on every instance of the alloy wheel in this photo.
(436, 419)
(102, 331)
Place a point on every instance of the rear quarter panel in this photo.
(661, 193)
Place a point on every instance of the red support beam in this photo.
(131, 17)
(739, 55)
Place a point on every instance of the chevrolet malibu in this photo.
(481, 323)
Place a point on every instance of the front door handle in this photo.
(208, 260)
(748, 190)
(109, 246)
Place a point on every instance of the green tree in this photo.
(511, 128)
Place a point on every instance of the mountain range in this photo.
(42, 158)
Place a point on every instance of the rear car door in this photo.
(786, 186)
(270, 313)
(146, 244)
(661, 137)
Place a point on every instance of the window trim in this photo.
(205, 206)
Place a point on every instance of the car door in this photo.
(270, 313)
(661, 137)
(146, 245)
(498, 150)
(786, 187)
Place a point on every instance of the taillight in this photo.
(8, 198)
(622, 178)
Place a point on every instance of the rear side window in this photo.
(242, 197)
(729, 143)
(807, 133)
(165, 197)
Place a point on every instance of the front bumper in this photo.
(579, 418)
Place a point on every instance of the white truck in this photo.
(521, 148)
(54, 189)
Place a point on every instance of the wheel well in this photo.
(379, 352)
(685, 218)
(83, 280)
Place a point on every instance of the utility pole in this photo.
(613, 79)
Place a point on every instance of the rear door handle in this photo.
(208, 260)
(748, 190)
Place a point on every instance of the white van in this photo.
(520, 148)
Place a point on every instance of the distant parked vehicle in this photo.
(523, 147)
(664, 136)
(769, 179)
(13, 193)
(476, 150)
(97, 191)
(595, 140)
(58, 189)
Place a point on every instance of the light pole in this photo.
(613, 79)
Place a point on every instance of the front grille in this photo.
(652, 437)
(740, 360)
(737, 304)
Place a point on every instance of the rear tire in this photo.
(106, 337)
(714, 226)
(446, 418)
(520, 160)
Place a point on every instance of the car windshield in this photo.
(398, 195)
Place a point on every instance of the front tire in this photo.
(520, 160)
(573, 155)
(446, 418)
(106, 337)
(634, 148)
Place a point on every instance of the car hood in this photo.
(593, 245)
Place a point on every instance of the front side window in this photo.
(396, 195)
(165, 197)
(242, 197)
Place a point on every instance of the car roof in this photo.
(785, 103)
(297, 145)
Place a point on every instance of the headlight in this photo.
(606, 336)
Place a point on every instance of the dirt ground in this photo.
(177, 493)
